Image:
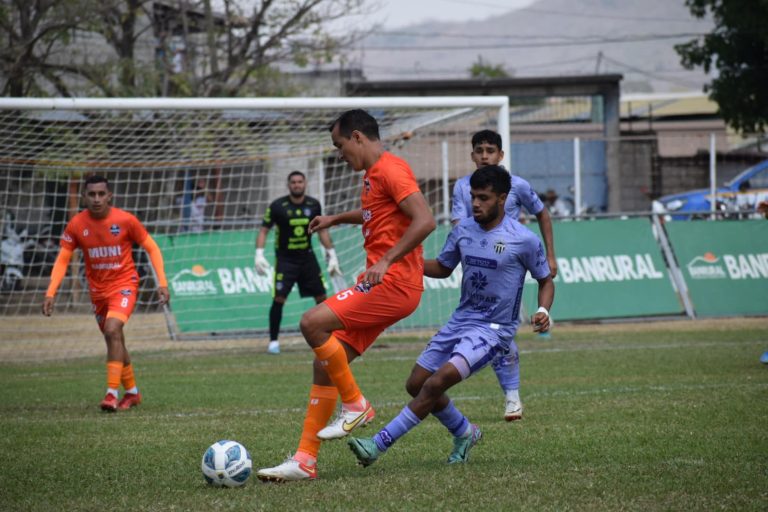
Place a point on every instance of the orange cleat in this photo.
(129, 400)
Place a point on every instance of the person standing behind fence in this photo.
(487, 150)
(296, 262)
(106, 235)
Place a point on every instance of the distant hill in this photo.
(549, 38)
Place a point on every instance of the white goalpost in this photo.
(199, 173)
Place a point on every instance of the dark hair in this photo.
(489, 136)
(359, 120)
(97, 178)
(296, 173)
(491, 175)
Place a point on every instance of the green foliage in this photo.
(738, 49)
(669, 417)
(482, 69)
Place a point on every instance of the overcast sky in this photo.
(399, 13)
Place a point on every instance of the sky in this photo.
(399, 13)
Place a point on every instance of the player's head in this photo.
(97, 195)
(486, 148)
(297, 183)
(351, 133)
(489, 187)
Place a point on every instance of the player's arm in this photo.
(422, 224)
(541, 321)
(57, 276)
(326, 221)
(156, 257)
(433, 268)
(545, 226)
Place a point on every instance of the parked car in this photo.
(737, 198)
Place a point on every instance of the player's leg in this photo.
(119, 367)
(507, 370)
(286, 273)
(365, 313)
(323, 395)
(311, 282)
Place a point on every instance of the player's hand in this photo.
(48, 306)
(333, 263)
(320, 222)
(375, 273)
(552, 262)
(260, 262)
(163, 295)
(541, 321)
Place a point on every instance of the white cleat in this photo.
(346, 422)
(289, 471)
(513, 410)
(274, 347)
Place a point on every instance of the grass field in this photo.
(661, 416)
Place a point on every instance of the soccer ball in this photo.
(226, 464)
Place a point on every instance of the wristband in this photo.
(542, 309)
(331, 253)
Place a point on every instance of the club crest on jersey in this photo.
(363, 286)
(367, 215)
(499, 247)
(114, 229)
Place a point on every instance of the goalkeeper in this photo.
(296, 262)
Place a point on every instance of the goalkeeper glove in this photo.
(333, 262)
(260, 262)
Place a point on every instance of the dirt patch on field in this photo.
(33, 338)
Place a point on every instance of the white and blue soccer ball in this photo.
(226, 464)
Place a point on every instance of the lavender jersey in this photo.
(522, 194)
(494, 263)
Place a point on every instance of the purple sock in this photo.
(454, 421)
(396, 429)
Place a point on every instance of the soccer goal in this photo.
(199, 173)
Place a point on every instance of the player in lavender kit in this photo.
(496, 252)
(487, 150)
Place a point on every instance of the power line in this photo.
(585, 42)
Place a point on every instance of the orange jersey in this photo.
(107, 246)
(385, 185)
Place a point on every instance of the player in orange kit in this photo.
(106, 235)
(395, 220)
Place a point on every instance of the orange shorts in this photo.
(118, 305)
(365, 314)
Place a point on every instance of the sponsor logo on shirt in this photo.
(86, 232)
(474, 261)
(483, 243)
(66, 238)
(367, 215)
(109, 251)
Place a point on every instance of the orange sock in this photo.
(114, 370)
(127, 379)
(333, 357)
(322, 403)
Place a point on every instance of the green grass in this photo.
(666, 418)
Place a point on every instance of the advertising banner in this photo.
(607, 269)
(724, 264)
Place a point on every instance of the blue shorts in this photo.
(478, 344)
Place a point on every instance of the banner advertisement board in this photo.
(607, 269)
(724, 264)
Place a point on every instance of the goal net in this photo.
(199, 173)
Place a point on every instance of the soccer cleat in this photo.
(109, 404)
(346, 422)
(129, 400)
(462, 446)
(513, 410)
(365, 450)
(289, 471)
(274, 347)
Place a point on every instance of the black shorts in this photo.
(305, 272)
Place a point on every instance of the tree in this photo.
(738, 49)
(482, 69)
